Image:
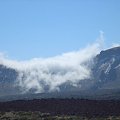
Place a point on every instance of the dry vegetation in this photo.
(46, 116)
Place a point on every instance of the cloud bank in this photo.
(43, 74)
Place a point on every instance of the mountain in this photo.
(8, 77)
(105, 75)
(106, 71)
(104, 83)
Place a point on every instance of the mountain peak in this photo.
(110, 52)
(114, 49)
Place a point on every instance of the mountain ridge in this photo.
(105, 77)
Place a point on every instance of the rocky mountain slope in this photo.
(8, 77)
(106, 71)
(105, 79)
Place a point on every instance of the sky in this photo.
(45, 28)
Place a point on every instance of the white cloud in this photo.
(115, 45)
(52, 72)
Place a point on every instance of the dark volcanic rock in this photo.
(66, 107)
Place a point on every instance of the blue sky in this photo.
(45, 28)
